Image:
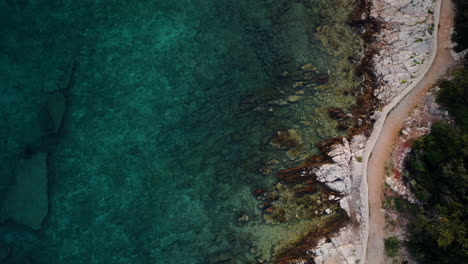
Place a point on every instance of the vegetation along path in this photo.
(391, 127)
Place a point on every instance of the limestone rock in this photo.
(376, 115)
(26, 201)
(339, 249)
(405, 40)
(337, 175)
(404, 46)
(345, 205)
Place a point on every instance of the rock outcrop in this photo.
(404, 46)
(337, 175)
(344, 172)
(404, 43)
(338, 248)
(341, 176)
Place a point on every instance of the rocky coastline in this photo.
(398, 51)
(399, 39)
(405, 42)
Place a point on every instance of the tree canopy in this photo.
(460, 35)
(437, 174)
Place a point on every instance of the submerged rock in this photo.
(272, 162)
(294, 153)
(293, 98)
(273, 196)
(243, 218)
(265, 170)
(336, 113)
(286, 139)
(224, 257)
(26, 201)
(308, 67)
(270, 210)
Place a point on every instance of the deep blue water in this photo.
(159, 148)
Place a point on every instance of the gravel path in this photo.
(391, 127)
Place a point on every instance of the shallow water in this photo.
(169, 113)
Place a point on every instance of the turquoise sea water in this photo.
(169, 113)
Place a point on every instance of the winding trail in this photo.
(391, 127)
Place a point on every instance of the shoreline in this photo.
(370, 145)
(354, 238)
(333, 166)
(441, 60)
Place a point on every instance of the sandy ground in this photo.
(392, 126)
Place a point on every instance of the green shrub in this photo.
(399, 204)
(387, 203)
(392, 246)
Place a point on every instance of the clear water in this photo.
(159, 150)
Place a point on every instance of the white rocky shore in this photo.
(405, 43)
(342, 247)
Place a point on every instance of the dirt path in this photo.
(391, 128)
